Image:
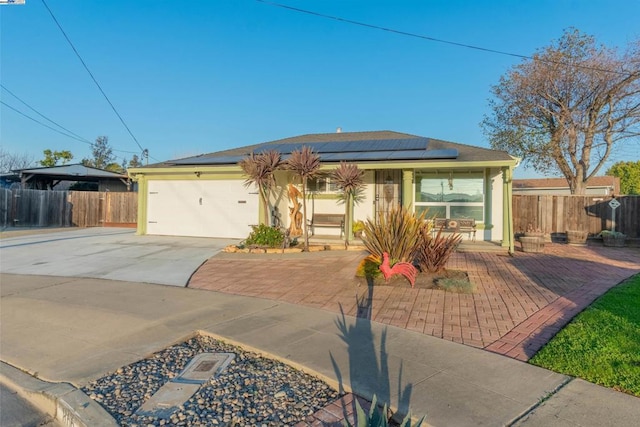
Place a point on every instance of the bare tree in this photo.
(567, 108)
(13, 161)
(304, 163)
(259, 170)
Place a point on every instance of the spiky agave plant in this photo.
(349, 180)
(260, 171)
(376, 417)
(434, 252)
(304, 163)
(396, 232)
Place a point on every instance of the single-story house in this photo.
(47, 178)
(205, 195)
(596, 186)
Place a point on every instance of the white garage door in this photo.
(201, 208)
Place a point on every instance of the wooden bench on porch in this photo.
(455, 225)
(326, 220)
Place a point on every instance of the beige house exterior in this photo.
(205, 195)
(596, 186)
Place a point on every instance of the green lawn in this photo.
(602, 344)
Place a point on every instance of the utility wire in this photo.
(433, 39)
(43, 124)
(57, 130)
(80, 138)
(91, 74)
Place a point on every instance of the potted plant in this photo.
(577, 237)
(533, 240)
(614, 239)
(358, 227)
(533, 232)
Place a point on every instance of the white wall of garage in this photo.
(201, 208)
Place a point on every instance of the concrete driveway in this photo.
(107, 253)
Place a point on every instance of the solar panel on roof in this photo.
(221, 160)
(396, 149)
(350, 146)
(448, 153)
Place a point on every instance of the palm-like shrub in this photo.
(434, 252)
(349, 180)
(397, 232)
(377, 417)
(304, 163)
(260, 171)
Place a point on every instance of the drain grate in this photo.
(204, 366)
(180, 389)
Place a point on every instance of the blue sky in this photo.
(201, 76)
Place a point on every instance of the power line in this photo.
(43, 116)
(43, 124)
(91, 74)
(57, 130)
(433, 39)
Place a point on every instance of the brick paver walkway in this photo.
(520, 301)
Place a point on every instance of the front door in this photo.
(388, 190)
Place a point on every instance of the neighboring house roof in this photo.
(561, 183)
(354, 146)
(74, 172)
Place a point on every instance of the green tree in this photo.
(629, 174)
(566, 109)
(349, 180)
(134, 162)
(260, 171)
(51, 158)
(102, 154)
(304, 163)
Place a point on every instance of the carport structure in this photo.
(48, 178)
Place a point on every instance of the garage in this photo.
(201, 208)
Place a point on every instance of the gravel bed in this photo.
(251, 391)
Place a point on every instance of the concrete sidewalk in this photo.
(76, 330)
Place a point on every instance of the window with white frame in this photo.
(322, 184)
(450, 194)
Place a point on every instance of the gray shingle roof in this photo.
(72, 171)
(355, 146)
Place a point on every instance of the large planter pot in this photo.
(577, 237)
(532, 244)
(534, 234)
(614, 241)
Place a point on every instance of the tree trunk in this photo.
(304, 208)
(347, 220)
(580, 187)
(265, 205)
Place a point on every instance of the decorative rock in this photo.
(243, 394)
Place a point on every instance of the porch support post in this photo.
(349, 225)
(407, 189)
(507, 211)
(488, 206)
(143, 196)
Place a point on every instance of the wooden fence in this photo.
(557, 214)
(42, 208)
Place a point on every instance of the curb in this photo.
(64, 402)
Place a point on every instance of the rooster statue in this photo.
(404, 268)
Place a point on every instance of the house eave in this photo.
(374, 165)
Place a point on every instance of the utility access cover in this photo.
(180, 389)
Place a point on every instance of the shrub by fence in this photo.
(43, 208)
(557, 214)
